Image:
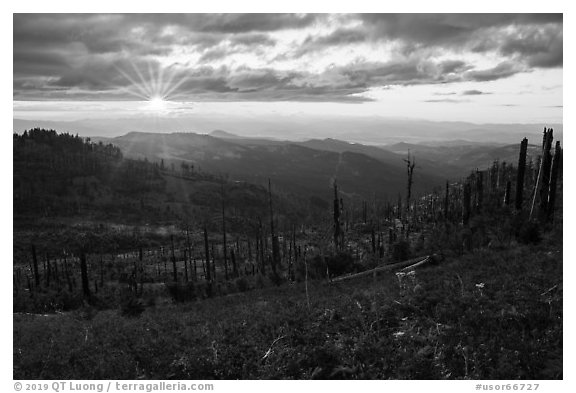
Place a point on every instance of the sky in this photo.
(175, 68)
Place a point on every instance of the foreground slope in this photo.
(496, 314)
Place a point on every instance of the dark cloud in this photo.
(474, 93)
(537, 47)
(343, 83)
(252, 39)
(396, 72)
(215, 54)
(240, 43)
(454, 66)
(502, 70)
(535, 38)
(242, 23)
(44, 62)
(448, 29)
(104, 56)
(226, 23)
(338, 37)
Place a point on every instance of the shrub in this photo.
(276, 278)
(132, 308)
(242, 284)
(530, 233)
(317, 267)
(260, 281)
(401, 250)
(182, 292)
(340, 263)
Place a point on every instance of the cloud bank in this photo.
(272, 57)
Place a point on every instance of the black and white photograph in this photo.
(287, 196)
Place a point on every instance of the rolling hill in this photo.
(465, 156)
(305, 168)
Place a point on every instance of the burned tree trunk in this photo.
(261, 249)
(410, 164)
(84, 275)
(275, 245)
(540, 172)
(466, 204)
(520, 174)
(213, 261)
(507, 193)
(554, 180)
(173, 257)
(48, 270)
(446, 201)
(185, 265)
(336, 218)
(67, 273)
(545, 176)
(35, 265)
(190, 253)
(224, 248)
(207, 255)
(479, 190)
(234, 266)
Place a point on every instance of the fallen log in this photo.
(414, 266)
(395, 266)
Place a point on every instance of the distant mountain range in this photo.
(365, 156)
(310, 167)
(366, 130)
(466, 156)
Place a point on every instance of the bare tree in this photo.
(410, 164)
(336, 218)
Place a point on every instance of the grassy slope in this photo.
(443, 325)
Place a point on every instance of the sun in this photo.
(157, 103)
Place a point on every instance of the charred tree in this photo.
(373, 235)
(224, 248)
(520, 174)
(84, 275)
(545, 177)
(173, 257)
(479, 190)
(336, 218)
(48, 270)
(275, 245)
(466, 201)
(446, 201)
(188, 246)
(261, 250)
(35, 265)
(234, 266)
(554, 180)
(410, 164)
(540, 166)
(507, 193)
(207, 255)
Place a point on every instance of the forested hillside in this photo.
(303, 168)
(464, 281)
(65, 184)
